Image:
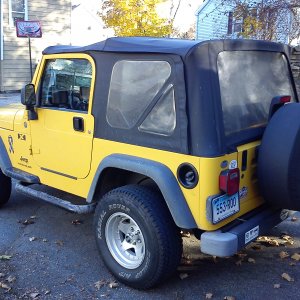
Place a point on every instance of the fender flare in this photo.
(160, 174)
(5, 162)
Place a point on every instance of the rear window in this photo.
(249, 80)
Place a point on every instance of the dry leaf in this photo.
(10, 279)
(59, 243)
(5, 257)
(251, 260)
(185, 234)
(242, 255)
(99, 284)
(113, 285)
(296, 256)
(239, 262)
(208, 296)
(287, 277)
(77, 222)
(33, 238)
(183, 276)
(4, 286)
(283, 254)
(277, 286)
(34, 295)
(27, 222)
(229, 298)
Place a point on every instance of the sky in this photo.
(186, 12)
(184, 19)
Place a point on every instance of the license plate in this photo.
(224, 206)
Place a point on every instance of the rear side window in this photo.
(249, 80)
(134, 85)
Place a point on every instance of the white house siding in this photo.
(212, 21)
(211, 24)
(55, 17)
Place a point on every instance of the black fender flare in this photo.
(160, 174)
(5, 162)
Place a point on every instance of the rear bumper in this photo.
(229, 240)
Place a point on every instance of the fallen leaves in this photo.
(283, 254)
(275, 241)
(208, 295)
(251, 260)
(277, 286)
(183, 276)
(34, 295)
(287, 277)
(111, 284)
(59, 243)
(77, 222)
(4, 286)
(5, 257)
(28, 221)
(296, 256)
(10, 279)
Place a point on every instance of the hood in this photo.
(7, 115)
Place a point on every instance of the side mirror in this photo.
(28, 97)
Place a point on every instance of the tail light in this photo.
(285, 99)
(229, 181)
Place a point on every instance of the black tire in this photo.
(279, 159)
(157, 232)
(5, 189)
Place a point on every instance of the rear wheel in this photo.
(5, 188)
(137, 237)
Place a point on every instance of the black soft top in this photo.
(199, 115)
(160, 45)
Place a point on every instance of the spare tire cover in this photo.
(279, 159)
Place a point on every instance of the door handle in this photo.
(78, 124)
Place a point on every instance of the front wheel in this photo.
(136, 236)
(5, 188)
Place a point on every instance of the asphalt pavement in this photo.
(48, 253)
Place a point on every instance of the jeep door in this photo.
(62, 135)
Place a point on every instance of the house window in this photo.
(235, 25)
(18, 10)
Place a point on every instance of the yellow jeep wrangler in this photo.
(156, 136)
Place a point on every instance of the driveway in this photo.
(48, 253)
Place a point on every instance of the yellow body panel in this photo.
(66, 159)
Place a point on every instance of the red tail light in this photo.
(285, 99)
(229, 181)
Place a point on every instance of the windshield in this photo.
(249, 80)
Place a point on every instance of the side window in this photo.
(162, 118)
(66, 84)
(134, 85)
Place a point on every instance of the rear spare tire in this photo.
(279, 159)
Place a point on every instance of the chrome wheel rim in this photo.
(125, 240)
